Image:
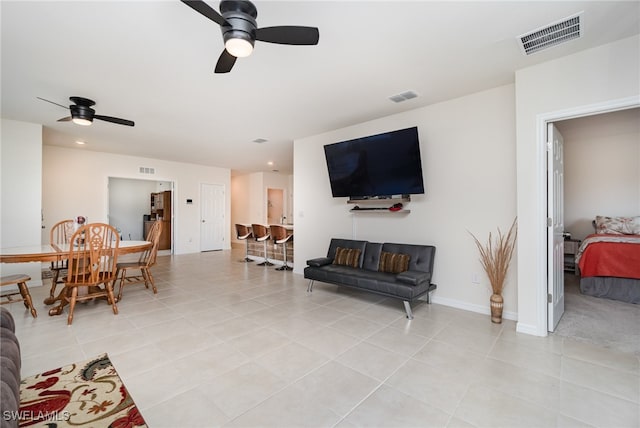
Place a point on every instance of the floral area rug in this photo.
(86, 394)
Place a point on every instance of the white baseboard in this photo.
(472, 307)
(529, 329)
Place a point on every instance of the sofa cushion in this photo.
(385, 283)
(346, 243)
(10, 370)
(347, 257)
(10, 403)
(421, 256)
(6, 319)
(371, 259)
(393, 262)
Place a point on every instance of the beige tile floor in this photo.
(225, 343)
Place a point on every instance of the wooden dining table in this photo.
(52, 253)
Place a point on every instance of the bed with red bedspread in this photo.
(610, 266)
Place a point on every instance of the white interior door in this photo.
(555, 213)
(212, 221)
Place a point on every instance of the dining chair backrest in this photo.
(148, 257)
(93, 254)
(60, 235)
(61, 232)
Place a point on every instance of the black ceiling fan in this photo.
(237, 20)
(83, 114)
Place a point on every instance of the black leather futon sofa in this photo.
(401, 271)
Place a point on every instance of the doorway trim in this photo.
(541, 138)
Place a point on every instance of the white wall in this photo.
(594, 76)
(240, 202)
(601, 168)
(468, 160)
(75, 181)
(21, 186)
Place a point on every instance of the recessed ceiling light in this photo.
(81, 143)
(270, 163)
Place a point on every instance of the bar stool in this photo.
(21, 280)
(280, 235)
(261, 234)
(243, 233)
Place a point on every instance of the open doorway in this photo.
(131, 207)
(592, 136)
(601, 167)
(275, 206)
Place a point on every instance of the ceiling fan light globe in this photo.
(81, 121)
(239, 48)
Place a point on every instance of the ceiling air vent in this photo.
(145, 170)
(403, 96)
(259, 140)
(551, 35)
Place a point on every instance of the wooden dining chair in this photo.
(60, 234)
(20, 280)
(145, 262)
(93, 256)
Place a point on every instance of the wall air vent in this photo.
(398, 98)
(145, 170)
(551, 35)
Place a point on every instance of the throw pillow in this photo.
(618, 225)
(347, 257)
(393, 262)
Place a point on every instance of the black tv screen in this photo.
(378, 165)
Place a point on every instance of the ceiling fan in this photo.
(237, 20)
(83, 114)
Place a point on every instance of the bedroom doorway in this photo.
(556, 199)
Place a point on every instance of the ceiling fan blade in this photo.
(204, 9)
(65, 119)
(289, 35)
(59, 105)
(114, 120)
(225, 62)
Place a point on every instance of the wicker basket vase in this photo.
(496, 308)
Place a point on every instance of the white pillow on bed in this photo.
(618, 225)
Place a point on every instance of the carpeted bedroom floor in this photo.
(599, 321)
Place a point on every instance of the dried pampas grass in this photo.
(496, 255)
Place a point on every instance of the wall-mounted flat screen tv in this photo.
(378, 165)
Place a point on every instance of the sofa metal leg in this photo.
(310, 286)
(407, 307)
